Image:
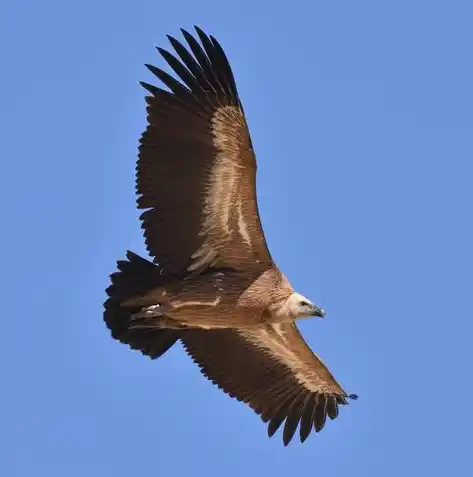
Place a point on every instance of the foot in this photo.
(153, 317)
(149, 312)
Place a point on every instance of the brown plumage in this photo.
(213, 284)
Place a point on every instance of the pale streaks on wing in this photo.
(204, 256)
(181, 303)
(223, 187)
(242, 228)
(282, 341)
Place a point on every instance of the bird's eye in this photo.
(303, 303)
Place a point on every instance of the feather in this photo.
(306, 418)
(332, 407)
(320, 413)
(192, 65)
(181, 71)
(293, 418)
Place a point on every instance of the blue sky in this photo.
(361, 114)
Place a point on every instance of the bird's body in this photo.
(213, 284)
(242, 298)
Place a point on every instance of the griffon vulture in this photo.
(213, 284)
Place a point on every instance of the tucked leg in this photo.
(149, 312)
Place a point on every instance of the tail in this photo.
(135, 276)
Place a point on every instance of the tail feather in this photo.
(135, 276)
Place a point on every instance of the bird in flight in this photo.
(212, 284)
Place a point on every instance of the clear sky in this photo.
(361, 114)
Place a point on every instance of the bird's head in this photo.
(299, 306)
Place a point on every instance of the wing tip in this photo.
(199, 30)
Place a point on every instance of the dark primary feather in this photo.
(192, 65)
(218, 59)
(293, 417)
(226, 68)
(181, 71)
(204, 61)
(307, 419)
(320, 412)
(174, 85)
(332, 408)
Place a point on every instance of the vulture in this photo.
(212, 284)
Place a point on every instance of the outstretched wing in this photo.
(274, 371)
(196, 171)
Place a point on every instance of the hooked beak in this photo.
(317, 311)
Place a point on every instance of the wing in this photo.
(274, 371)
(196, 170)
